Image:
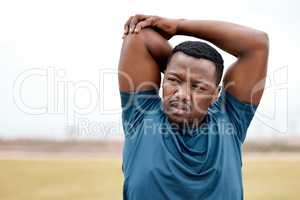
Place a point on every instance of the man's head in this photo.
(191, 80)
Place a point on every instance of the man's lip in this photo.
(179, 106)
(178, 111)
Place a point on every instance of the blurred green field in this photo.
(265, 177)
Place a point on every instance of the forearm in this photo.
(158, 47)
(235, 39)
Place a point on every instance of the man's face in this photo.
(189, 88)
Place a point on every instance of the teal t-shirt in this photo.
(163, 162)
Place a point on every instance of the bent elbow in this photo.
(262, 41)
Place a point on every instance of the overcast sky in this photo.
(58, 60)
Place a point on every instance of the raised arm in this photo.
(141, 57)
(245, 79)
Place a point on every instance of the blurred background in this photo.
(60, 131)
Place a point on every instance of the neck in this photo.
(187, 127)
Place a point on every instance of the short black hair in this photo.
(200, 49)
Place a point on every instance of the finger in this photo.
(143, 24)
(126, 25)
(133, 23)
(135, 20)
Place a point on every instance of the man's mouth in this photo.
(179, 108)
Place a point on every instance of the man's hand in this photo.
(166, 27)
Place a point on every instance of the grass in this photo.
(265, 177)
(274, 176)
(60, 179)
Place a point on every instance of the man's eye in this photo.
(173, 80)
(198, 88)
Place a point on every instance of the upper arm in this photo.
(139, 60)
(239, 113)
(245, 79)
(139, 76)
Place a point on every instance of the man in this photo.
(187, 144)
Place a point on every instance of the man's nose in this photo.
(183, 94)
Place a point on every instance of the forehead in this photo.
(195, 68)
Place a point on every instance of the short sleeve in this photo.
(135, 105)
(240, 114)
